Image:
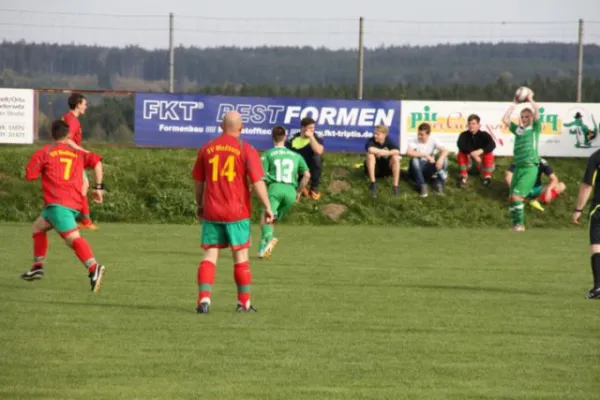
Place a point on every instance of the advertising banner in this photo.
(190, 120)
(16, 116)
(568, 129)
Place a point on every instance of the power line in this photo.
(478, 22)
(82, 27)
(287, 19)
(12, 10)
(273, 32)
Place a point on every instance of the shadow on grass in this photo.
(147, 307)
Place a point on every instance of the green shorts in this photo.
(61, 218)
(282, 197)
(220, 235)
(523, 181)
(536, 192)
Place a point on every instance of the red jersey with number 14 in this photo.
(61, 168)
(225, 164)
(75, 132)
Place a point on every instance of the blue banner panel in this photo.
(190, 120)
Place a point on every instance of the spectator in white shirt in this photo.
(423, 164)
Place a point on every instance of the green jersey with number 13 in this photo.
(282, 165)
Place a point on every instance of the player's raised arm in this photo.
(34, 167)
(535, 106)
(506, 118)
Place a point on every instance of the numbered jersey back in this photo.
(282, 165)
(225, 165)
(61, 168)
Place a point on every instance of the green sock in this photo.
(517, 212)
(266, 234)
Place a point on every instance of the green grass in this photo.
(344, 313)
(155, 186)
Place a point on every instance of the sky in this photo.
(317, 23)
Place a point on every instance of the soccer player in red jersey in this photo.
(77, 106)
(222, 170)
(61, 168)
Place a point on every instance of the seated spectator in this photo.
(309, 145)
(543, 194)
(475, 144)
(423, 165)
(383, 159)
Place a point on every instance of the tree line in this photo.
(470, 63)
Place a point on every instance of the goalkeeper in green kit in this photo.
(282, 168)
(525, 156)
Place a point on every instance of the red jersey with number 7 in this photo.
(61, 168)
(225, 164)
(75, 132)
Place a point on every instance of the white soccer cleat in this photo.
(268, 250)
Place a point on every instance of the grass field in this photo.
(344, 313)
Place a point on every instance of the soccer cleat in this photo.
(314, 194)
(518, 228)
(268, 250)
(396, 191)
(462, 181)
(424, 192)
(96, 278)
(373, 189)
(241, 309)
(487, 181)
(594, 294)
(90, 225)
(537, 205)
(203, 308)
(305, 192)
(33, 274)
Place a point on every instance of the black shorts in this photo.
(382, 168)
(595, 227)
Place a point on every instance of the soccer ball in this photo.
(522, 94)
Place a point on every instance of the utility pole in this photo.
(580, 61)
(361, 57)
(171, 54)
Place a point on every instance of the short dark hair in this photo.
(306, 121)
(75, 99)
(60, 129)
(474, 117)
(278, 134)
(424, 127)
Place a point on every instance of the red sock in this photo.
(205, 279)
(84, 252)
(243, 279)
(85, 212)
(40, 249)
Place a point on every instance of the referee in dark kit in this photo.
(591, 182)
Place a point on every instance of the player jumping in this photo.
(282, 167)
(541, 194)
(61, 168)
(526, 158)
(77, 106)
(222, 169)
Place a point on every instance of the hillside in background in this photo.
(28, 64)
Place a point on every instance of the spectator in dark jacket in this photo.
(475, 144)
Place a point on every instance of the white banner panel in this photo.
(16, 116)
(568, 129)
